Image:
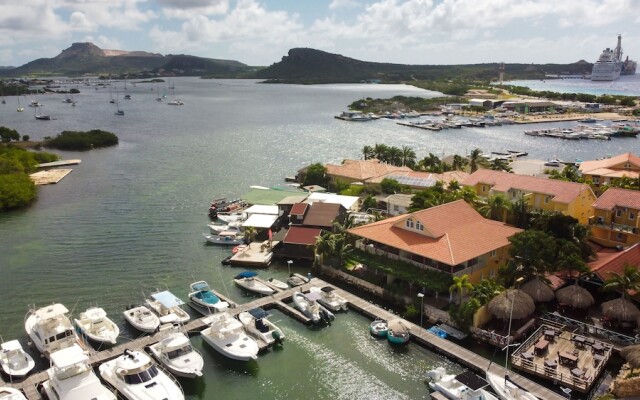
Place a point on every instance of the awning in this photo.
(167, 299)
(260, 221)
(261, 209)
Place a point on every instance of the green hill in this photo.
(303, 65)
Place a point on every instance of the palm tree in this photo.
(459, 162)
(460, 284)
(496, 207)
(500, 165)
(519, 213)
(380, 151)
(408, 156)
(323, 247)
(367, 152)
(475, 159)
(394, 156)
(250, 234)
(628, 280)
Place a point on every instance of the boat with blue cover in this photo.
(438, 332)
(167, 306)
(247, 280)
(202, 296)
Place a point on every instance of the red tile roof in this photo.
(302, 235)
(609, 261)
(299, 209)
(613, 166)
(454, 233)
(562, 191)
(362, 169)
(613, 197)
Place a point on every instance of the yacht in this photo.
(167, 306)
(9, 393)
(50, 329)
(257, 325)
(609, 64)
(465, 386)
(142, 319)
(506, 389)
(178, 356)
(71, 377)
(202, 296)
(247, 280)
(329, 298)
(227, 336)
(95, 325)
(136, 377)
(15, 362)
(309, 306)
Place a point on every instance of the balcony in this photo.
(613, 226)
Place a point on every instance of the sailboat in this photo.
(112, 100)
(20, 108)
(158, 91)
(175, 101)
(118, 110)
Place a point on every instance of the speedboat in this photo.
(297, 280)
(398, 332)
(136, 377)
(306, 307)
(202, 295)
(247, 280)
(95, 325)
(314, 299)
(9, 393)
(71, 377)
(506, 389)
(379, 328)
(175, 102)
(257, 325)
(279, 284)
(50, 329)
(177, 355)
(227, 336)
(216, 229)
(15, 362)
(229, 217)
(227, 238)
(141, 318)
(167, 306)
(464, 386)
(329, 298)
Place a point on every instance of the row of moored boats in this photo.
(597, 131)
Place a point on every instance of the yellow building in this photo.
(569, 198)
(602, 172)
(615, 218)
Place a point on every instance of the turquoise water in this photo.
(129, 219)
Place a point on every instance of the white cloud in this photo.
(337, 4)
(104, 42)
(79, 21)
(187, 9)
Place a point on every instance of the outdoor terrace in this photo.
(567, 358)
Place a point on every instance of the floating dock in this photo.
(458, 353)
(256, 254)
(61, 163)
(49, 176)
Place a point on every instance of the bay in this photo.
(129, 219)
(626, 85)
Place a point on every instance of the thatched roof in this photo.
(538, 290)
(575, 296)
(500, 306)
(620, 309)
(398, 325)
(632, 355)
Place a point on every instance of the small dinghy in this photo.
(278, 284)
(379, 328)
(95, 325)
(247, 280)
(14, 360)
(257, 325)
(297, 280)
(398, 332)
(226, 238)
(142, 319)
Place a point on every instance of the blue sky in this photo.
(260, 32)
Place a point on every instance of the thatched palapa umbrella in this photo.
(632, 355)
(538, 290)
(501, 305)
(620, 309)
(575, 296)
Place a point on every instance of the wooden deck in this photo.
(255, 255)
(278, 300)
(60, 163)
(49, 176)
(574, 360)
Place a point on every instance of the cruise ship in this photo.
(609, 65)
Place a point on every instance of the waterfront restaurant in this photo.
(453, 238)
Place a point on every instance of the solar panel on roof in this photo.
(413, 181)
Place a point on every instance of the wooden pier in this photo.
(278, 300)
(49, 176)
(61, 163)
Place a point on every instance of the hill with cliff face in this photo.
(303, 65)
(87, 58)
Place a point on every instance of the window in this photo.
(595, 180)
(410, 223)
(396, 208)
(620, 237)
(513, 194)
(619, 212)
(546, 199)
(493, 253)
(419, 226)
(484, 188)
(492, 273)
(632, 216)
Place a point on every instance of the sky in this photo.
(260, 32)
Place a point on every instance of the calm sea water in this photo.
(627, 85)
(129, 219)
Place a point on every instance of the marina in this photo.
(421, 336)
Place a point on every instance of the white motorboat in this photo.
(14, 360)
(202, 295)
(178, 356)
(71, 377)
(142, 319)
(167, 306)
(95, 325)
(506, 389)
(297, 280)
(310, 309)
(464, 386)
(9, 393)
(329, 298)
(279, 284)
(216, 229)
(229, 217)
(257, 325)
(50, 329)
(227, 336)
(227, 238)
(247, 280)
(136, 377)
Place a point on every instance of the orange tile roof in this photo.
(562, 191)
(362, 169)
(610, 166)
(454, 233)
(613, 197)
(609, 262)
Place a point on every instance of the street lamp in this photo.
(421, 295)
(289, 266)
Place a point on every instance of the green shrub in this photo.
(16, 190)
(82, 141)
